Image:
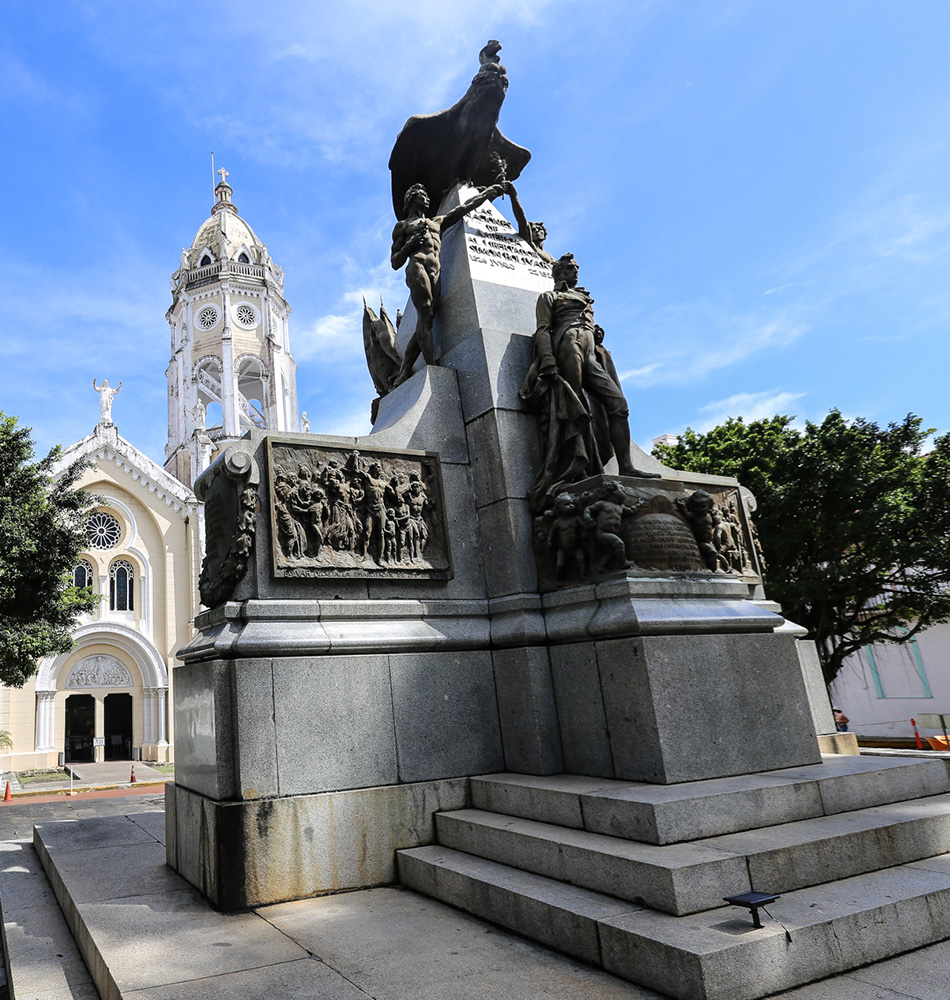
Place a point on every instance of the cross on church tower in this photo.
(223, 194)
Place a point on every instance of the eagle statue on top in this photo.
(462, 143)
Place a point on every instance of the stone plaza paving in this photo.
(386, 943)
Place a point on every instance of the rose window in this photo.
(102, 531)
(245, 315)
(207, 317)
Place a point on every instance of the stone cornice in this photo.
(105, 444)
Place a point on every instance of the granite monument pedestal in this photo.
(353, 674)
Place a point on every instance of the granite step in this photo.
(667, 814)
(715, 955)
(680, 879)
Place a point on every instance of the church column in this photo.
(173, 374)
(98, 754)
(271, 387)
(162, 692)
(189, 395)
(146, 700)
(40, 720)
(44, 719)
(144, 596)
(229, 403)
(50, 720)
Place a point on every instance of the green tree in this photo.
(41, 535)
(854, 522)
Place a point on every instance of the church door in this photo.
(118, 727)
(80, 726)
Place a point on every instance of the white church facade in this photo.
(110, 697)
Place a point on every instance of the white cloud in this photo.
(748, 405)
(691, 341)
(328, 96)
(354, 423)
(338, 336)
(637, 372)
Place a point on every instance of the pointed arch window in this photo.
(83, 574)
(205, 261)
(244, 259)
(121, 586)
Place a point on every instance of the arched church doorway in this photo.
(80, 726)
(117, 723)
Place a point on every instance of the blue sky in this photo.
(758, 192)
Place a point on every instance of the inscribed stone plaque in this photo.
(339, 512)
(497, 253)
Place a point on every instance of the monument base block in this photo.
(242, 854)
(688, 708)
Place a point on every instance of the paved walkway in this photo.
(110, 774)
(387, 944)
(115, 772)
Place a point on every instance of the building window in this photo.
(205, 261)
(103, 531)
(121, 586)
(208, 317)
(897, 670)
(245, 315)
(82, 574)
(244, 259)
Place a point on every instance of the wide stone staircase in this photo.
(631, 876)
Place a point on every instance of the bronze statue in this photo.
(699, 508)
(567, 537)
(563, 384)
(605, 517)
(379, 345)
(533, 233)
(417, 243)
(460, 144)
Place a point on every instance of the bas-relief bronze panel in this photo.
(341, 512)
(604, 525)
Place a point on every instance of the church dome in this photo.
(225, 223)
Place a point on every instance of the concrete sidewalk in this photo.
(110, 774)
(163, 942)
(115, 772)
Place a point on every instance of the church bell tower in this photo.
(231, 369)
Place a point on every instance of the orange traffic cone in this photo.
(133, 778)
(8, 795)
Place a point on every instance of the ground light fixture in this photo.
(752, 901)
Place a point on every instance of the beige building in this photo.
(142, 557)
(110, 697)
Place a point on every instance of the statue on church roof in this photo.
(200, 413)
(106, 395)
(461, 143)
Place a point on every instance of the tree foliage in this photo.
(854, 522)
(41, 535)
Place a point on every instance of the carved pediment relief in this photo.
(99, 670)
